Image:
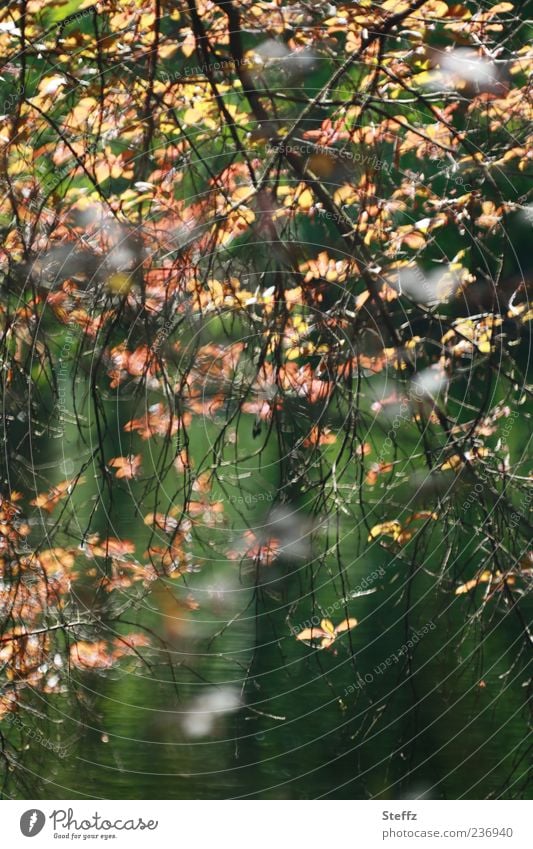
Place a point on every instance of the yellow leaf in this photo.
(345, 625)
(392, 529)
(345, 195)
(424, 78)
(197, 113)
(452, 462)
(485, 577)
(119, 284)
(396, 6)
(243, 193)
(305, 199)
(501, 7)
(293, 353)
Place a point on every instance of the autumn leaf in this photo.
(86, 655)
(127, 467)
(497, 580)
(327, 633)
(48, 501)
(397, 530)
(377, 469)
(110, 547)
(393, 529)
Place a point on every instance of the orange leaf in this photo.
(127, 467)
(49, 501)
(87, 655)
